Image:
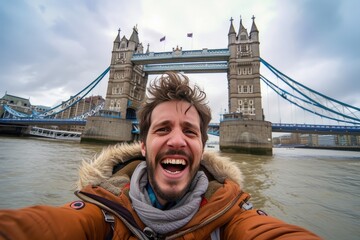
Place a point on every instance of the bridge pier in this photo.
(243, 136)
(106, 129)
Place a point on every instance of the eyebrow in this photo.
(190, 125)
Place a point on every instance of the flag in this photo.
(162, 39)
(189, 35)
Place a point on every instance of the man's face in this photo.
(173, 149)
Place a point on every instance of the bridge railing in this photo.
(186, 53)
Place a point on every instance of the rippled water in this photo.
(316, 189)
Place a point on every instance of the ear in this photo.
(143, 149)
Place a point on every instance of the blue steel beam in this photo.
(177, 56)
(213, 67)
(313, 128)
(213, 127)
(38, 121)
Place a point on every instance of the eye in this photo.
(162, 130)
(190, 132)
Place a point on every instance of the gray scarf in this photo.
(165, 221)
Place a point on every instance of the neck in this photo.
(158, 202)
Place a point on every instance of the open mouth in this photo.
(173, 166)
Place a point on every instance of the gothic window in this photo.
(112, 103)
(249, 70)
(251, 108)
(243, 48)
(122, 55)
(117, 107)
(117, 75)
(135, 93)
(251, 88)
(117, 90)
(245, 89)
(239, 89)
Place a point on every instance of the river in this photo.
(315, 189)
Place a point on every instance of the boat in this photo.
(55, 134)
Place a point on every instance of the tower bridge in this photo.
(130, 67)
(243, 129)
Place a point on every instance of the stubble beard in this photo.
(173, 196)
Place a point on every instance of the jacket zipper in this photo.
(134, 230)
(208, 220)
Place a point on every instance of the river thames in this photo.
(315, 189)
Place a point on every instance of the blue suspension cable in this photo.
(315, 103)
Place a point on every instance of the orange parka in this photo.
(105, 210)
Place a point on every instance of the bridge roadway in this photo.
(191, 61)
(213, 127)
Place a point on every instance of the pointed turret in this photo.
(148, 48)
(243, 34)
(117, 41)
(254, 32)
(241, 28)
(232, 33)
(134, 39)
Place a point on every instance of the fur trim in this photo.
(100, 168)
(222, 167)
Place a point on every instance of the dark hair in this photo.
(173, 86)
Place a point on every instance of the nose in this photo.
(176, 139)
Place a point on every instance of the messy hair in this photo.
(173, 86)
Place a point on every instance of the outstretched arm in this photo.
(45, 222)
(252, 225)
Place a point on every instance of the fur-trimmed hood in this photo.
(100, 168)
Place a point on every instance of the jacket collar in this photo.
(100, 168)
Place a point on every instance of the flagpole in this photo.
(163, 39)
(190, 35)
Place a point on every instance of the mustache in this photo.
(180, 152)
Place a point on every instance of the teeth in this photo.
(174, 161)
(176, 172)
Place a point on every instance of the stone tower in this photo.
(127, 82)
(125, 93)
(244, 72)
(243, 129)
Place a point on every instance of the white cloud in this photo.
(52, 50)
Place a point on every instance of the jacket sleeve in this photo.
(45, 222)
(256, 225)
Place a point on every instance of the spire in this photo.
(117, 39)
(253, 27)
(241, 26)
(147, 50)
(231, 30)
(134, 36)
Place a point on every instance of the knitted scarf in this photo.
(165, 221)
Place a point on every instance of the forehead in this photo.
(173, 111)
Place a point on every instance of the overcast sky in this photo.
(51, 49)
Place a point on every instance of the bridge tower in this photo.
(125, 93)
(127, 82)
(243, 129)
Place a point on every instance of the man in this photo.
(165, 187)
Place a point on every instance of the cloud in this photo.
(52, 50)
